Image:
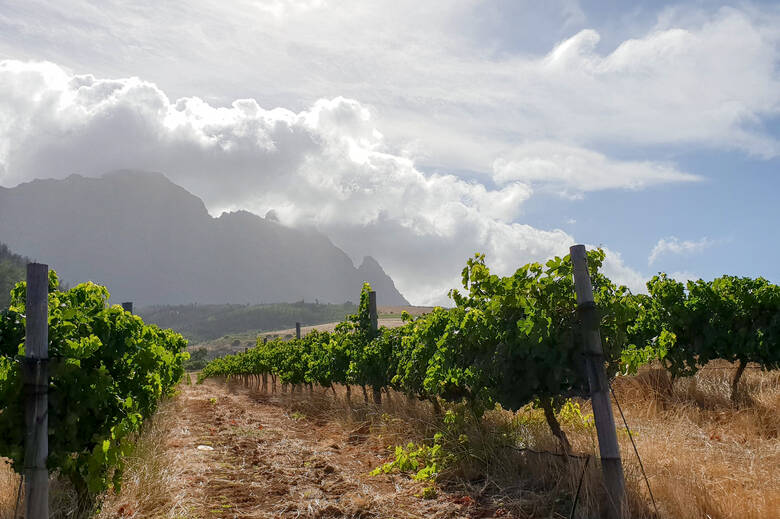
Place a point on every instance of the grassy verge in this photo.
(151, 484)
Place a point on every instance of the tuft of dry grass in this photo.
(9, 486)
(152, 481)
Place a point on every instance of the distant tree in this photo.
(198, 359)
(12, 270)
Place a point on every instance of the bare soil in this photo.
(239, 454)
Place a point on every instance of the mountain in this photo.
(152, 242)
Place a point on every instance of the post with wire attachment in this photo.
(297, 330)
(611, 464)
(127, 306)
(36, 385)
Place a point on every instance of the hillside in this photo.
(12, 270)
(152, 242)
(200, 323)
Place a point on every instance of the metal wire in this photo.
(633, 444)
(550, 453)
(579, 487)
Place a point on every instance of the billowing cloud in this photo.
(673, 245)
(447, 80)
(327, 166)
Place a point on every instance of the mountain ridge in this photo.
(153, 242)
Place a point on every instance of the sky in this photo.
(422, 132)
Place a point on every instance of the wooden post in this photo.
(127, 306)
(36, 383)
(372, 311)
(377, 393)
(611, 464)
(297, 330)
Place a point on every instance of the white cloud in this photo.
(673, 245)
(699, 77)
(616, 269)
(684, 276)
(567, 169)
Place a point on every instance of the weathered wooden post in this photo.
(36, 384)
(127, 306)
(611, 464)
(297, 330)
(377, 392)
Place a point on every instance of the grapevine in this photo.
(108, 371)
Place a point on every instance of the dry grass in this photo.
(705, 456)
(152, 484)
(63, 502)
(490, 471)
(9, 485)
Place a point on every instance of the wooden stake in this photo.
(297, 330)
(611, 464)
(372, 311)
(127, 306)
(36, 383)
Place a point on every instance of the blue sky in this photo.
(734, 207)
(421, 132)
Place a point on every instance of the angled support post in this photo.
(611, 464)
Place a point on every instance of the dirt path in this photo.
(243, 455)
